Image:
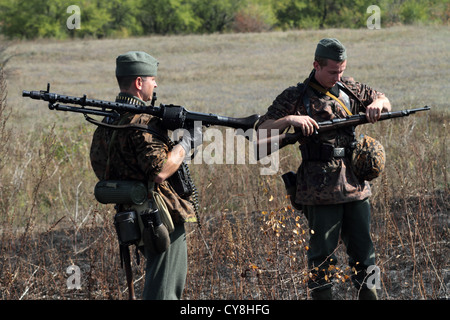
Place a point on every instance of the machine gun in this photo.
(173, 116)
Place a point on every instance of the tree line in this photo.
(31, 19)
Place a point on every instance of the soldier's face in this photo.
(328, 75)
(147, 88)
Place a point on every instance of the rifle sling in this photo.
(135, 126)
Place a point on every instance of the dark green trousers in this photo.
(165, 273)
(329, 223)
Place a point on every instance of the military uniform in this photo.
(330, 181)
(137, 155)
(333, 199)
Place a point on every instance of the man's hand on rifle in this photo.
(307, 124)
(378, 106)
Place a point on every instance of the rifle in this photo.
(173, 116)
(277, 142)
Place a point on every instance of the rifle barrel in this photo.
(402, 113)
(361, 119)
(285, 139)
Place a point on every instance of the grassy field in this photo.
(252, 245)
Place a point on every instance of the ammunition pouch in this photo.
(127, 227)
(142, 217)
(142, 229)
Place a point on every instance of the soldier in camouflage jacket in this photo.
(333, 199)
(137, 155)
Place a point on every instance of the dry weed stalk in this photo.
(46, 184)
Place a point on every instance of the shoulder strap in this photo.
(304, 95)
(110, 148)
(306, 102)
(328, 93)
(349, 91)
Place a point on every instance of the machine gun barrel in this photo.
(173, 116)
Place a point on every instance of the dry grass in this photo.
(252, 245)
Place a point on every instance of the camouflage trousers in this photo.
(349, 222)
(165, 273)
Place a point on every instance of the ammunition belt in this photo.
(186, 188)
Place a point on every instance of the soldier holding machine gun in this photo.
(142, 170)
(152, 159)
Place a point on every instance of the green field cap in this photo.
(331, 48)
(136, 63)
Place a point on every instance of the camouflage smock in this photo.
(333, 181)
(137, 155)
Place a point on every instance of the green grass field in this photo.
(252, 244)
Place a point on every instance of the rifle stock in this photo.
(276, 142)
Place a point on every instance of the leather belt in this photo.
(321, 152)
